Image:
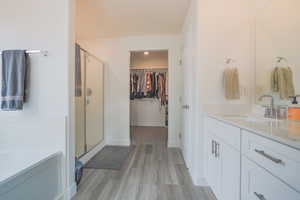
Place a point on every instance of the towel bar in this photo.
(44, 53)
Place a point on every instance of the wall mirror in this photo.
(277, 50)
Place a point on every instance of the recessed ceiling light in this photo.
(146, 53)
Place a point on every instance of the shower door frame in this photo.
(85, 56)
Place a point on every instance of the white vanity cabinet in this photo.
(243, 165)
(223, 160)
(213, 166)
(270, 170)
(259, 184)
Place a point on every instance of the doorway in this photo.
(149, 97)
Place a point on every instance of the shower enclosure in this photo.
(89, 112)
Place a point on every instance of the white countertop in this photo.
(18, 161)
(286, 131)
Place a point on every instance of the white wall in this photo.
(115, 53)
(222, 29)
(272, 42)
(44, 25)
(194, 149)
(225, 30)
(153, 59)
(147, 112)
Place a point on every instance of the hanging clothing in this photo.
(148, 85)
(162, 89)
(148, 82)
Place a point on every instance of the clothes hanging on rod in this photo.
(148, 84)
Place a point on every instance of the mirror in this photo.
(277, 51)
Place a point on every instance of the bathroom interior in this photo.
(136, 99)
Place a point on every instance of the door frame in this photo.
(172, 130)
(186, 139)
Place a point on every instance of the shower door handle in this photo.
(187, 107)
(88, 101)
(89, 93)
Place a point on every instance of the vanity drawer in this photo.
(259, 184)
(280, 160)
(229, 134)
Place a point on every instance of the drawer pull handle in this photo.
(259, 196)
(275, 160)
(217, 150)
(213, 147)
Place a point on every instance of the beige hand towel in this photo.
(227, 83)
(282, 87)
(231, 84)
(290, 82)
(236, 84)
(274, 80)
(282, 82)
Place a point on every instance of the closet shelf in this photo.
(148, 68)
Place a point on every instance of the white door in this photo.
(230, 166)
(94, 103)
(187, 70)
(213, 166)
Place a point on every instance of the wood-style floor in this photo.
(151, 172)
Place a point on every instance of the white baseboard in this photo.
(202, 182)
(116, 142)
(84, 159)
(173, 144)
(198, 181)
(69, 193)
(72, 190)
(60, 197)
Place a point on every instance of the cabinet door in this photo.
(230, 172)
(213, 172)
(259, 184)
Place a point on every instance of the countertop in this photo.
(283, 131)
(17, 162)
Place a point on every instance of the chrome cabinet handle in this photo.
(186, 107)
(275, 160)
(259, 196)
(217, 150)
(212, 147)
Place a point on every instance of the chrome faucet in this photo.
(270, 111)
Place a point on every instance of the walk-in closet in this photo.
(148, 94)
(89, 112)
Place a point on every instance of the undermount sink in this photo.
(251, 118)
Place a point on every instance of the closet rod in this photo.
(88, 53)
(44, 53)
(148, 69)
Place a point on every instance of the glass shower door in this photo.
(89, 112)
(94, 103)
(80, 114)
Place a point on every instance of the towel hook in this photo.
(229, 60)
(279, 59)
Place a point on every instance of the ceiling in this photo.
(113, 18)
(153, 59)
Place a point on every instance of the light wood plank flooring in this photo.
(151, 172)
